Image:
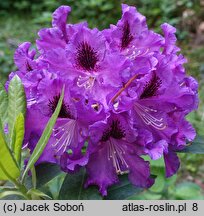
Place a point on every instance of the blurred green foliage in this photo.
(175, 187)
(20, 20)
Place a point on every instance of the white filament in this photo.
(116, 152)
(134, 52)
(65, 134)
(147, 115)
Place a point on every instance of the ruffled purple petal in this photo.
(170, 39)
(156, 150)
(100, 170)
(50, 38)
(23, 57)
(139, 171)
(60, 18)
(172, 163)
(73, 162)
(86, 49)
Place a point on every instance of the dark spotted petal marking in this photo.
(151, 87)
(127, 36)
(65, 110)
(115, 131)
(28, 67)
(86, 56)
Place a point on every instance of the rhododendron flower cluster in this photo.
(126, 95)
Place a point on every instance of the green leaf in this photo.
(146, 195)
(37, 195)
(44, 138)
(8, 167)
(2, 130)
(46, 172)
(16, 104)
(159, 184)
(10, 192)
(3, 105)
(49, 179)
(197, 147)
(123, 190)
(19, 136)
(187, 191)
(155, 163)
(34, 179)
(73, 188)
(53, 187)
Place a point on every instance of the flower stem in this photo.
(124, 87)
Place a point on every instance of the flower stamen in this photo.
(147, 115)
(116, 154)
(64, 135)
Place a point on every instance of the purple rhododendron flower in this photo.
(126, 96)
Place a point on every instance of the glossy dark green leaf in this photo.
(46, 172)
(73, 188)
(16, 104)
(197, 147)
(52, 188)
(44, 138)
(123, 190)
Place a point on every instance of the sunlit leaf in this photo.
(16, 104)
(8, 166)
(19, 136)
(159, 184)
(2, 130)
(10, 192)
